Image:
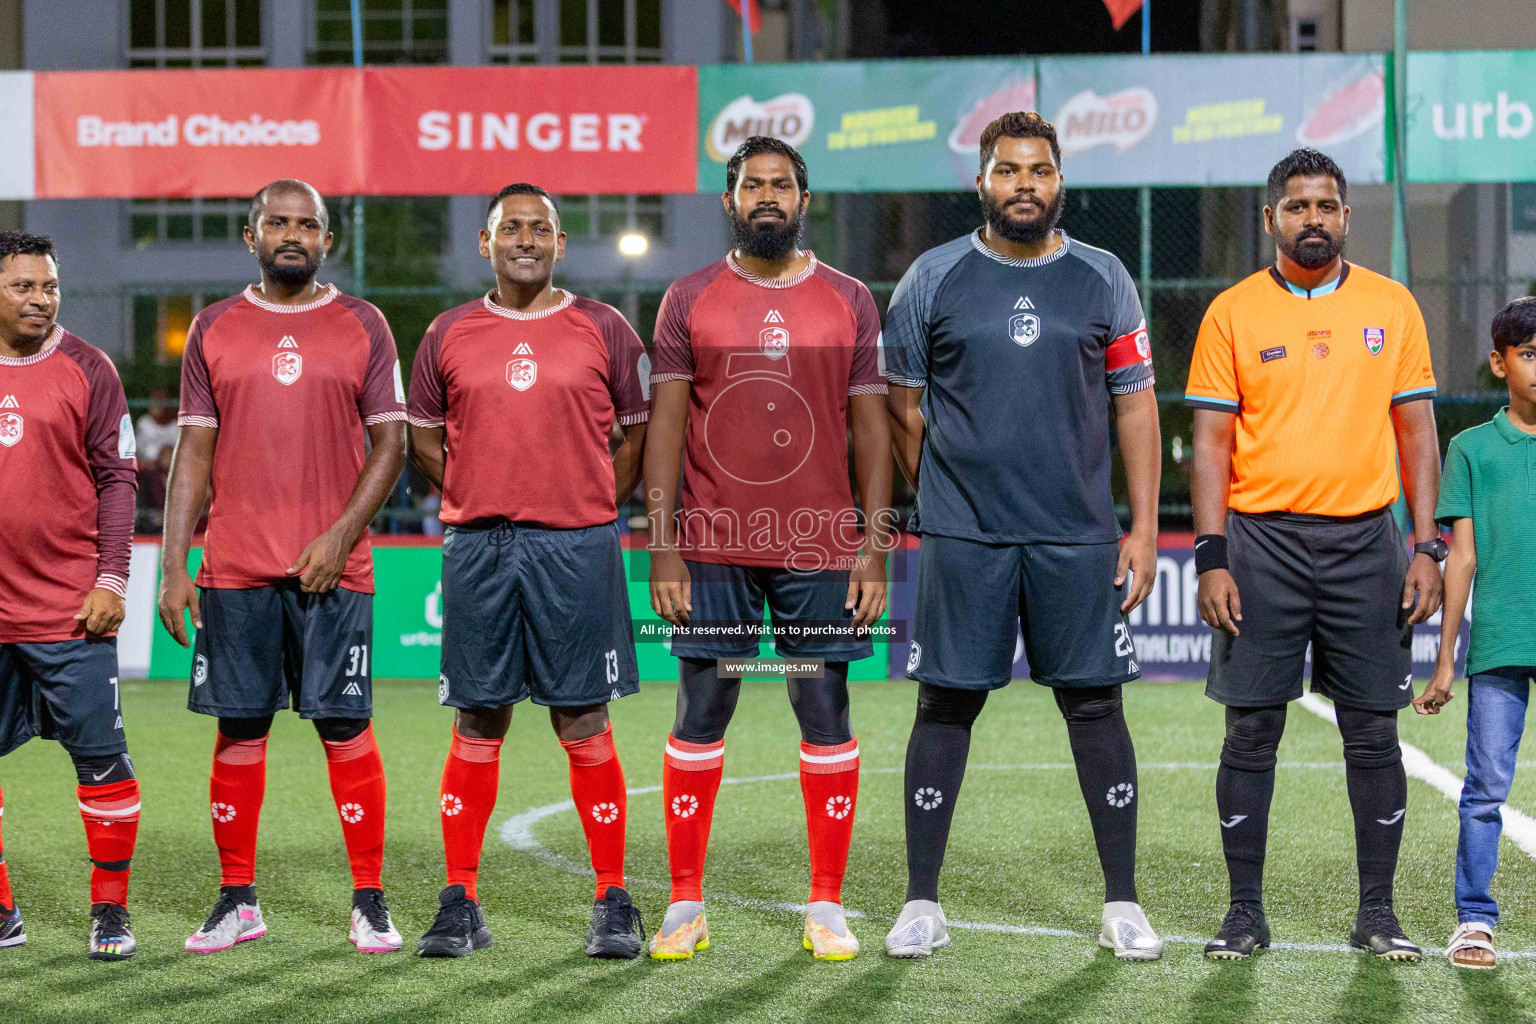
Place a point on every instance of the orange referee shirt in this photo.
(1312, 378)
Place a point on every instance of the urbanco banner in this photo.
(1472, 116)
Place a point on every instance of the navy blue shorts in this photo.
(262, 648)
(65, 691)
(532, 611)
(974, 599)
(734, 594)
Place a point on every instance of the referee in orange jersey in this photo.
(1311, 387)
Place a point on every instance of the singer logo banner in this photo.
(382, 131)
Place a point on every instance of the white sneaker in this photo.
(919, 930)
(1126, 931)
(235, 918)
(372, 931)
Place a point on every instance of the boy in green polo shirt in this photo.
(1486, 494)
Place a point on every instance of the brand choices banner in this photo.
(380, 131)
(1171, 641)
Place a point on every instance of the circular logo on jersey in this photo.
(11, 427)
(199, 671)
(839, 807)
(223, 812)
(684, 805)
(287, 366)
(521, 373)
(605, 813)
(351, 813)
(1024, 329)
(1143, 345)
(1121, 794)
(775, 342)
(759, 430)
(1320, 350)
(928, 798)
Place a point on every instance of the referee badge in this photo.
(1024, 329)
(1375, 340)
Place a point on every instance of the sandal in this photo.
(1462, 942)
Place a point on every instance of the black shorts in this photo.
(260, 648)
(65, 691)
(734, 595)
(1334, 583)
(532, 611)
(974, 599)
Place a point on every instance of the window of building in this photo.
(161, 324)
(394, 32)
(587, 217)
(582, 31)
(156, 221)
(194, 33)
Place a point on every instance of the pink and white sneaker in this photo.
(372, 930)
(236, 918)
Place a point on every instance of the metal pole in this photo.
(1146, 26)
(359, 266)
(1145, 197)
(1401, 271)
(746, 31)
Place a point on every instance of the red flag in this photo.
(755, 17)
(1120, 11)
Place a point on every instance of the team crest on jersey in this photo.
(11, 428)
(1024, 329)
(287, 366)
(1375, 340)
(775, 342)
(521, 373)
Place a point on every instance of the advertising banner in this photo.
(587, 130)
(17, 162)
(120, 134)
(1472, 116)
(877, 126)
(1213, 120)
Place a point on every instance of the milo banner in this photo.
(1171, 641)
(1213, 120)
(1472, 116)
(871, 126)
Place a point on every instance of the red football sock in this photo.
(357, 786)
(111, 816)
(236, 787)
(689, 781)
(468, 797)
(597, 787)
(6, 900)
(829, 781)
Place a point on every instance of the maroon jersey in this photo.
(290, 389)
(66, 456)
(765, 471)
(528, 401)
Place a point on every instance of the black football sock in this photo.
(1106, 771)
(1378, 795)
(1245, 784)
(936, 755)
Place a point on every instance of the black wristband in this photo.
(1210, 552)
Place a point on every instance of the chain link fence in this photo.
(1182, 246)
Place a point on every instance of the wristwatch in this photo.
(1437, 549)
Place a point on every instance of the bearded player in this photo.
(763, 361)
(279, 385)
(513, 399)
(1006, 349)
(67, 458)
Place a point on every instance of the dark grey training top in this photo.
(1018, 358)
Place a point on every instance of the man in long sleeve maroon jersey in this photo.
(66, 443)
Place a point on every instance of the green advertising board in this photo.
(408, 621)
(1472, 116)
(893, 126)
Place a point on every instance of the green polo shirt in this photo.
(1490, 478)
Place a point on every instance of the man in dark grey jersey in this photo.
(1004, 351)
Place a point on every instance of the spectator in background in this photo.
(155, 434)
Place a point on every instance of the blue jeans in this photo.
(1496, 703)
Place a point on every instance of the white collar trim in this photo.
(49, 344)
(517, 314)
(1038, 261)
(771, 282)
(251, 296)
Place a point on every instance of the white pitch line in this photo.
(517, 832)
(1519, 827)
